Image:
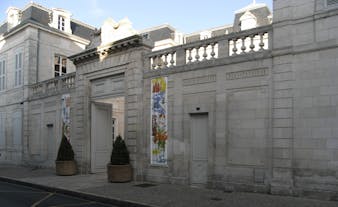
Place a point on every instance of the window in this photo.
(2, 75)
(332, 2)
(60, 65)
(60, 19)
(61, 23)
(18, 69)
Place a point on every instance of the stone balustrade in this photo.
(234, 44)
(53, 86)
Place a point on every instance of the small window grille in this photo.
(145, 36)
(332, 2)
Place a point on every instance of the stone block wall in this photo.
(237, 97)
(304, 76)
(315, 121)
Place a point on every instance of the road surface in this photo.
(15, 195)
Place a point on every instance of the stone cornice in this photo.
(120, 45)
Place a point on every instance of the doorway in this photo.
(107, 122)
(199, 131)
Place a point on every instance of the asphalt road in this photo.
(14, 195)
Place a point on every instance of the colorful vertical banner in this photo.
(65, 115)
(159, 133)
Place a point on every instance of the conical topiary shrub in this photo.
(120, 154)
(119, 169)
(65, 163)
(65, 152)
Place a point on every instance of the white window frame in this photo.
(3, 68)
(62, 67)
(61, 23)
(18, 69)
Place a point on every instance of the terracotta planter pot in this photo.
(65, 167)
(119, 173)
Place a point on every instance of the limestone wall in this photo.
(50, 45)
(38, 48)
(305, 79)
(13, 98)
(237, 97)
(43, 131)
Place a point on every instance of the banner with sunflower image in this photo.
(159, 133)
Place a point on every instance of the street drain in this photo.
(145, 185)
(215, 199)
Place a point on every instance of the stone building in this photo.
(234, 108)
(34, 45)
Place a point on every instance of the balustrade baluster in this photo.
(234, 50)
(213, 50)
(189, 57)
(172, 61)
(243, 48)
(197, 56)
(154, 63)
(261, 44)
(159, 61)
(252, 45)
(166, 60)
(205, 55)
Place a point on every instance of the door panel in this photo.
(199, 139)
(101, 136)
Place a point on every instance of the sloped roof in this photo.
(41, 15)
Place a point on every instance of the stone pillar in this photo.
(282, 126)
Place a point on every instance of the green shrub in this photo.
(120, 154)
(65, 152)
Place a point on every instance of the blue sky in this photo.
(185, 15)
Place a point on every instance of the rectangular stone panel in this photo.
(108, 86)
(35, 138)
(247, 115)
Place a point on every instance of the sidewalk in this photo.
(153, 195)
